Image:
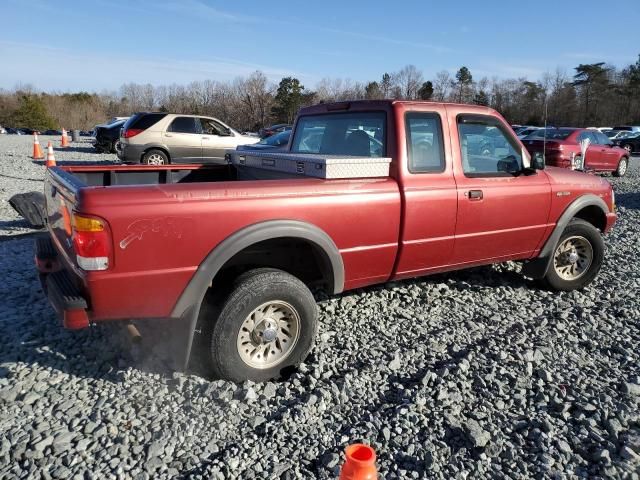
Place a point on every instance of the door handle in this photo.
(205, 138)
(168, 135)
(473, 194)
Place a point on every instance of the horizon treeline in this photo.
(596, 94)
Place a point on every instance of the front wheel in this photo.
(266, 325)
(622, 167)
(628, 148)
(577, 257)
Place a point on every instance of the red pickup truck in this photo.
(232, 260)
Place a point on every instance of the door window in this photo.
(184, 125)
(424, 142)
(487, 149)
(584, 135)
(211, 127)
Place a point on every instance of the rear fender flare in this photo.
(187, 307)
(537, 268)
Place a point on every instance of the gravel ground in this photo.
(19, 173)
(475, 374)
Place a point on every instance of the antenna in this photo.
(544, 138)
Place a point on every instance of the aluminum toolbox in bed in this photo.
(311, 164)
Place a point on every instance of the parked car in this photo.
(631, 143)
(273, 129)
(628, 128)
(278, 141)
(615, 134)
(107, 137)
(3, 131)
(52, 132)
(232, 263)
(526, 131)
(563, 150)
(14, 131)
(162, 138)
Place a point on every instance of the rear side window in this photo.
(361, 134)
(185, 125)
(487, 149)
(424, 142)
(143, 121)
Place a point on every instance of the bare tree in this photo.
(441, 86)
(408, 81)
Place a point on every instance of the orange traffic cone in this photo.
(360, 463)
(51, 160)
(37, 150)
(64, 142)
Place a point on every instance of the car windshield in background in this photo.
(277, 140)
(551, 134)
(359, 134)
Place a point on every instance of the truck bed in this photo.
(111, 175)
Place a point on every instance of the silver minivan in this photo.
(158, 138)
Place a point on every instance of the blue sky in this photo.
(98, 45)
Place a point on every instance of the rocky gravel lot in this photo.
(476, 374)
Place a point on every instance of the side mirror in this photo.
(537, 162)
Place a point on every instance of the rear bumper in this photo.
(64, 296)
(129, 153)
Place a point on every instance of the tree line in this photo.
(596, 94)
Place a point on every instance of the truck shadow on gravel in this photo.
(87, 149)
(628, 200)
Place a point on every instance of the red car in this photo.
(231, 253)
(563, 149)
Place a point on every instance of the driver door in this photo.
(502, 213)
(216, 138)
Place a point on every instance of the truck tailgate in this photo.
(60, 190)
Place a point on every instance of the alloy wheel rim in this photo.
(268, 334)
(155, 159)
(573, 257)
(622, 168)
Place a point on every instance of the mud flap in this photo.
(31, 207)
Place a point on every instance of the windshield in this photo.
(551, 134)
(359, 134)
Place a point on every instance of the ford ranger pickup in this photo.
(232, 259)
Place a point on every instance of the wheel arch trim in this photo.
(538, 267)
(216, 259)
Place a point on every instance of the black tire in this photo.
(623, 166)
(628, 147)
(250, 291)
(580, 229)
(155, 157)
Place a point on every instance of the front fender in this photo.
(537, 268)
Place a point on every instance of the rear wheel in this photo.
(155, 157)
(266, 325)
(577, 257)
(622, 167)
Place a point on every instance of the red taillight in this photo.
(132, 132)
(91, 242)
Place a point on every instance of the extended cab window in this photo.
(360, 134)
(486, 148)
(184, 125)
(424, 142)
